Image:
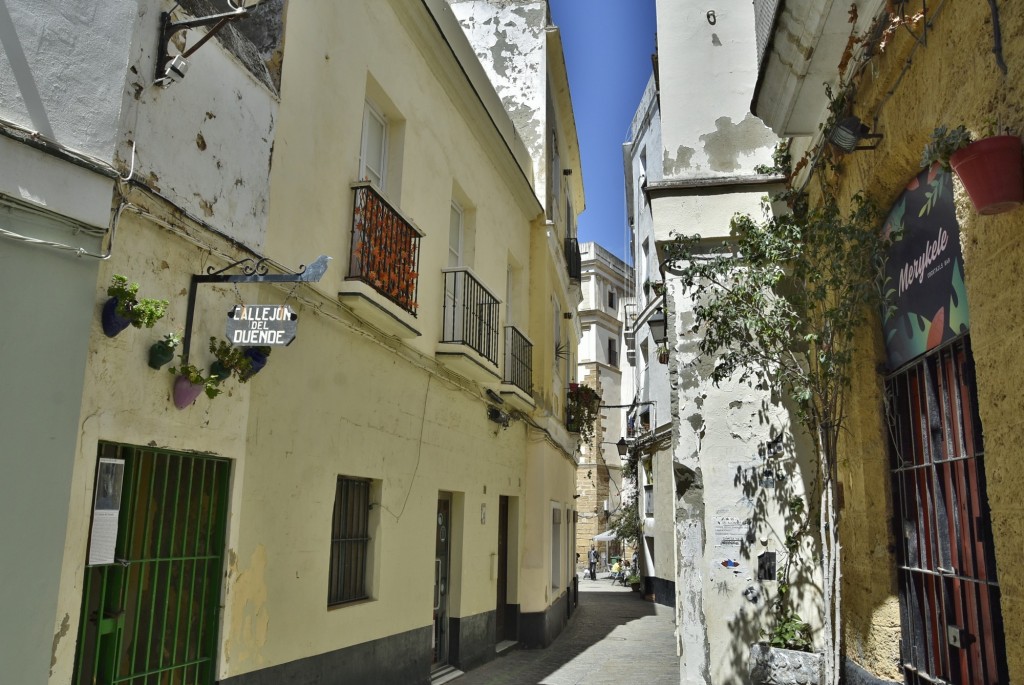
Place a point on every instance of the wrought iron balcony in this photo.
(385, 249)
(573, 259)
(518, 360)
(470, 314)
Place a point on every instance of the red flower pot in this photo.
(991, 172)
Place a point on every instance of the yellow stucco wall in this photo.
(952, 80)
(345, 398)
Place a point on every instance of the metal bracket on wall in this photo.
(252, 271)
(168, 28)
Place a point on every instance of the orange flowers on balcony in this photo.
(385, 249)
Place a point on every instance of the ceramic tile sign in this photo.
(251, 325)
(106, 511)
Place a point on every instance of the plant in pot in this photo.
(663, 354)
(124, 308)
(633, 582)
(230, 361)
(162, 351)
(582, 406)
(257, 357)
(989, 168)
(189, 382)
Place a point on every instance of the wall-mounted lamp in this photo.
(658, 325)
(498, 416)
(848, 132)
(170, 69)
(622, 447)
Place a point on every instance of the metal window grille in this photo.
(385, 249)
(949, 595)
(153, 616)
(470, 314)
(648, 500)
(518, 360)
(350, 541)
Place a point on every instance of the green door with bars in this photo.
(151, 617)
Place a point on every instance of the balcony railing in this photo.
(573, 259)
(518, 360)
(385, 249)
(470, 314)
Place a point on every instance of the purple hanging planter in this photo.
(185, 392)
(113, 323)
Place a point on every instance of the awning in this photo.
(606, 536)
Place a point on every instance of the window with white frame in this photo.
(373, 153)
(456, 236)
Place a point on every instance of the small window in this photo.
(374, 149)
(611, 298)
(613, 353)
(455, 236)
(350, 541)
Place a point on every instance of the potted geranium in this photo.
(633, 582)
(582, 406)
(162, 351)
(990, 168)
(124, 308)
(189, 382)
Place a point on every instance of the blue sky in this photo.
(608, 46)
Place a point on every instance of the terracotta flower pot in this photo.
(991, 172)
(112, 322)
(185, 392)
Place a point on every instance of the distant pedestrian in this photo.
(592, 559)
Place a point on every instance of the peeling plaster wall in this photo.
(732, 508)
(204, 142)
(707, 73)
(508, 37)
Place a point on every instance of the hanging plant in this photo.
(257, 357)
(162, 351)
(990, 168)
(189, 383)
(231, 361)
(124, 308)
(582, 406)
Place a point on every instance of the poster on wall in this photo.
(106, 511)
(924, 282)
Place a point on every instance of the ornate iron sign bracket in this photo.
(252, 271)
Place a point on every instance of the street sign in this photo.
(251, 325)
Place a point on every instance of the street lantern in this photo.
(658, 326)
(621, 446)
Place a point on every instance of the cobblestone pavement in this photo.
(615, 636)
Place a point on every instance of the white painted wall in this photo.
(707, 72)
(205, 142)
(62, 72)
(63, 67)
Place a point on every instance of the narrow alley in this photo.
(615, 636)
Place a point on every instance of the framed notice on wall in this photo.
(106, 511)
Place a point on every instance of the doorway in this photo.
(152, 615)
(442, 547)
(501, 602)
(949, 594)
